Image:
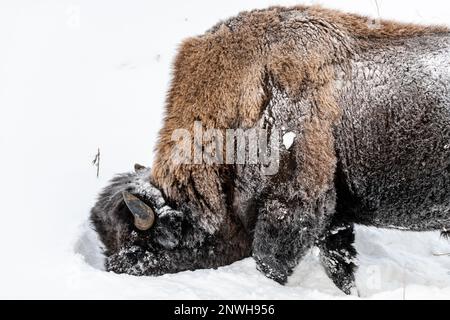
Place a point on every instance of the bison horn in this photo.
(144, 217)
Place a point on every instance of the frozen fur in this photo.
(369, 105)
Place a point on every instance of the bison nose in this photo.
(144, 217)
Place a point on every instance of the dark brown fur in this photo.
(366, 107)
(218, 79)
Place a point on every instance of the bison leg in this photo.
(338, 255)
(300, 199)
(286, 229)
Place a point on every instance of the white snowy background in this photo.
(80, 75)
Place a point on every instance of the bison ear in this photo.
(138, 167)
(144, 217)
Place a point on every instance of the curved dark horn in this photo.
(144, 217)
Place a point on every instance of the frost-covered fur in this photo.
(177, 241)
(369, 106)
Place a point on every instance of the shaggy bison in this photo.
(363, 108)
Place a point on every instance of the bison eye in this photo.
(144, 217)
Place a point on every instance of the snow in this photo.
(80, 75)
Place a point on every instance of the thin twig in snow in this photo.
(378, 9)
(96, 162)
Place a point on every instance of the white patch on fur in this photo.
(288, 139)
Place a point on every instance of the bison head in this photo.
(143, 234)
(137, 227)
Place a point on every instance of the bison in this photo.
(366, 107)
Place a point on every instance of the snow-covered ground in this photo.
(80, 75)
